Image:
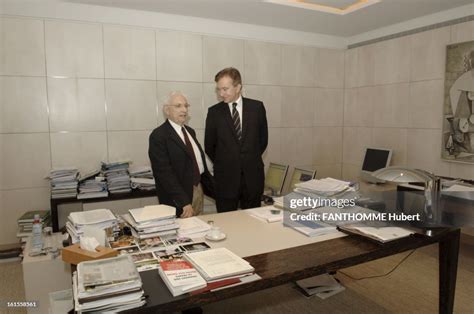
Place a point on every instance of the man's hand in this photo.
(187, 211)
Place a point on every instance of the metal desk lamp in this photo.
(432, 188)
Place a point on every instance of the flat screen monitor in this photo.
(275, 178)
(375, 159)
(301, 175)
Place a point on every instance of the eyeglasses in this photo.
(179, 106)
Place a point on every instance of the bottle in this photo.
(37, 235)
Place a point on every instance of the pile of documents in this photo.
(107, 285)
(328, 187)
(142, 178)
(383, 233)
(267, 213)
(152, 221)
(311, 228)
(118, 179)
(221, 268)
(91, 185)
(63, 182)
(192, 227)
(180, 277)
(97, 218)
(25, 222)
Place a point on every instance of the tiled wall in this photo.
(394, 93)
(73, 94)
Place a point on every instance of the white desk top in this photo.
(247, 236)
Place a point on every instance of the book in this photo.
(180, 277)
(218, 263)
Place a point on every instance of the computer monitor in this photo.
(375, 159)
(300, 175)
(275, 178)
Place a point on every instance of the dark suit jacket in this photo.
(172, 166)
(231, 158)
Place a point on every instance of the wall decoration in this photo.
(458, 119)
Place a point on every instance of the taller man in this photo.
(235, 139)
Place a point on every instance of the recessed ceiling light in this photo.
(345, 7)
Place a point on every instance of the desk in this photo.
(112, 197)
(280, 255)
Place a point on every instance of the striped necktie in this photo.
(236, 119)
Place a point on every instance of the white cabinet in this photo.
(44, 274)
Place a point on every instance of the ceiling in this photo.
(384, 13)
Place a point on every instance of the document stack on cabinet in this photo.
(63, 182)
(221, 268)
(25, 223)
(180, 277)
(90, 187)
(152, 221)
(142, 178)
(118, 179)
(107, 285)
(99, 218)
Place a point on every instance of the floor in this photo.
(412, 287)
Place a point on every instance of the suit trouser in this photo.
(246, 199)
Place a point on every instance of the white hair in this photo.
(166, 100)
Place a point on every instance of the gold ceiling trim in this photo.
(357, 5)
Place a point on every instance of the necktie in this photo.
(189, 146)
(236, 119)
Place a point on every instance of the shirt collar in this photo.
(176, 126)
(238, 101)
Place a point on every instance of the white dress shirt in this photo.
(197, 152)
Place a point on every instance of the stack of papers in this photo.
(152, 221)
(118, 179)
(267, 213)
(91, 186)
(63, 182)
(180, 277)
(107, 285)
(460, 191)
(324, 187)
(192, 227)
(380, 234)
(98, 218)
(25, 222)
(218, 264)
(311, 228)
(142, 178)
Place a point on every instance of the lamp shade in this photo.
(402, 175)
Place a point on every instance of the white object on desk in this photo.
(267, 213)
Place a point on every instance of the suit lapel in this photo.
(228, 118)
(175, 137)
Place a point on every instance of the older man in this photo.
(178, 161)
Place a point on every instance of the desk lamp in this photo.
(432, 187)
